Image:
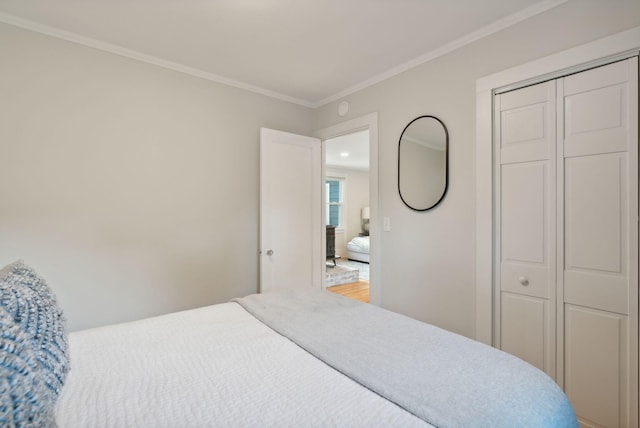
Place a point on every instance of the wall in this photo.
(427, 259)
(356, 197)
(119, 180)
(133, 189)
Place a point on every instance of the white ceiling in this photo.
(305, 51)
(348, 151)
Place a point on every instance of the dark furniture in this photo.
(331, 243)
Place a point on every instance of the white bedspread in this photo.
(359, 244)
(214, 366)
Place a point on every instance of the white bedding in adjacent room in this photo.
(358, 249)
(359, 244)
(213, 366)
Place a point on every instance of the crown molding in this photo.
(450, 47)
(149, 59)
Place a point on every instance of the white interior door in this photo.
(290, 211)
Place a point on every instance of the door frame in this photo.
(624, 44)
(370, 122)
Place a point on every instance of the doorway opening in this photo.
(347, 214)
(367, 122)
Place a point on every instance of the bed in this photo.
(358, 249)
(288, 358)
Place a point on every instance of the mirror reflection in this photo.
(423, 154)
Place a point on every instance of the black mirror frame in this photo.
(446, 165)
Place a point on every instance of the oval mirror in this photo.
(423, 163)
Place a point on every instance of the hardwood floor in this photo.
(354, 290)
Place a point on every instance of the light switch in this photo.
(386, 224)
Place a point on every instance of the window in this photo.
(334, 189)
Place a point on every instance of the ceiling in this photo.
(309, 52)
(348, 151)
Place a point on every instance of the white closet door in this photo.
(598, 259)
(525, 127)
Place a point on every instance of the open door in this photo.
(290, 211)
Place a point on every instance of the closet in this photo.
(566, 235)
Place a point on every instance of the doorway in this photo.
(346, 214)
(350, 198)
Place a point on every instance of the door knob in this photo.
(269, 252)
(523, 280)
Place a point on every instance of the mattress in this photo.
(359, 244)
(358, 249)
(298, 358)
(359, 257)
(213, 366)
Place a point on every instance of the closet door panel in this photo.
(596, 235)
(598, 243)
(525, 206)
(596, 368)
(596, 110)
(525, 279)
(594, 121)
(525, 329)
(595, 212)
(596, 191)
(527, 117)
(524, 187)
(597, 291)
(525, 220)
(596, 232)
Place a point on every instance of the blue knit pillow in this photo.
(33, 306)
(24, 397)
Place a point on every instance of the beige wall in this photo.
(427, 259)
(132, 188)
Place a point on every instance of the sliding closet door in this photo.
(525, 156)
(598, 257)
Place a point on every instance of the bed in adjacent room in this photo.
(358, 249)
(289, 358)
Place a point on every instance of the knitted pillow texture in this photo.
(33, 306)
(24, 397)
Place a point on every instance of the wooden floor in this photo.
(354, 290)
